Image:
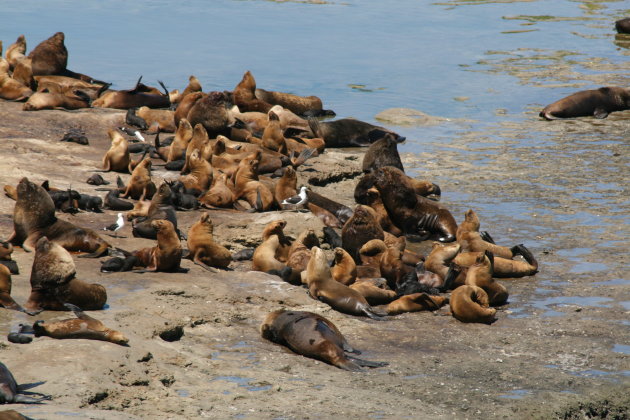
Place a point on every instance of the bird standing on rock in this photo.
(115, 227)
(297, 201)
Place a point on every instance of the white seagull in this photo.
(296, 200)
(115, 227)
(133, 133)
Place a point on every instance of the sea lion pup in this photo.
(219, 195)
(113, 202)
(133, 98)
(264, 259)
(276, 228)
(374, 294)
(622, 26)
(117, 157)
(10, 390)
(383, 152)
(359, 229)
(244, 95)
(34, 217)
(597, 102)
(348, 132)
(6, 301)
(96, 179)
(480, 274)
(204, 251)
(300, 105)
(46, 100)
(185, 104)
(16, 51)
(470, 304)
(313, 336)
(300, 250)
(53, 281)
(11, 89)
(471, 239)
(210, 111)
(345, 269)
(183, 135)
(167, 254)
(341, 212)
(140, 186)
(272, 137)
(83, 326)
(158, 119)
(413, 214)
(323, 287)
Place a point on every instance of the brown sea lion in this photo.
(300, 250)
(140, 186)
(415, 302)
(376, 203)
(166, 256)
(161, 207)
(133, 98)
(249, 187)
(53, 281)
(244, 95)
(12, 415)
(117, 157)
(373, 294)
(622, 26)
(46, 100)
(313, 336)
(370, 255)
(198, 141)
(193, 86)
(6, 301)
(10, 390)
(204, 251)
(383, 152)
(470, 304)
(502, 267)
(219, 195)
(64, 84)
(277, 228)
(345, 269)
(359, 229)
(210, 111)
(440, 258)
(410, 212)
(11, 89)
(348, 132)
(83, 326)
(185, 104)
(286, 186)
(15, 52)
(480, 274)
(323, 287)
(301, 105)
(597, 102)
(158, 119)
(183, 135)
(50, 56)
(423, 188)
(200, 175)
(265, 260)
(272, 137)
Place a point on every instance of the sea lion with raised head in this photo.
(185, 104)
(348, 132)
(383, 152)
(313, 336)
(439, 262)
(50, 56)
(470, 304)
(161, 207)
(480, 274)
(244, 95)
(286, 186)
(183, 135)
(117, 157)
(15, 52)
(597, 103)
(166, 256)
(345, 269)
(359, 229)
(265, 260)
(204, 251)
(83, 326)
(10, 88)
(10, 390)
(140, 186)
(273, 138)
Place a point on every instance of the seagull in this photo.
(296, 200)
(115, 227)
(133, 133)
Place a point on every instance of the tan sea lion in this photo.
(286, 186)
(200, 175)
(359, 229)
(249, 187)
(440, 258)
(502, 267)
(265, 260)
(167, 254)
(300, 250)
(183, 135)
(46, 100)
(323, 287)
(219, 195)
(23, 73)
(83, 326)
(301, 105)
(193, 86)
(244, 95)
(204, 251)
(185, 104)
(6, 301)
(11, 89)
(198, 141)
(117, 157)
(272, 137)
(158, 119)
(54, 282)
(277, 228)
(480, 274)
(415, 302)
(373, 294)
(370, 255)
(313, 336)
(15, 52)
(374, 201)
(597, 102)
(470, 304)
(345, 269)
(140, 186)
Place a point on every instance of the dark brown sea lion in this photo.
(50, 56)
(53, 281)
(244, 95)
(83, 326)
(210, 111)
(415, 302)
(113, 202)
(10, 390)
(413, 214)
(34, 217)
(117, 157)
(348, 132)
(622, 26)
(166, 256)
(423, 188)
(383, 152)
(161, 207)
(470, 304)
(313, 336)
(133, 98)
(323, 287)
(598, 103)
(374, 201)
(359, 229)
(345, 269)
(204, 251)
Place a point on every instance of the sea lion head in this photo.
(363, 215)
(277, 226)
(52, 265)
(340, 253)
(273, 116)
(116, 137)
(216, 98)
(309, 238)
(206, 222)
(267, 329)
(118, 338)
(471, 217)
(318, 268)
(373, 247)
(162, 225)
(219, 145)
(289, 173)
(184, 129)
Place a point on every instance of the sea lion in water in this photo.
(10, 390)
(34, 217)
(597, 102)
(359, 229)
(53, 281)
(470, 304)
(117, 157)
(622, 26)
(348, 132)
(83, 326)
(323, 287)
(167, 254)
(204, 251)
(383, 152)
(313, 336)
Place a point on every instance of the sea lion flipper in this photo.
(486, 237)
(349, 365)
(600, 113)
(366, 363)
(369, 311)
(78, 312)
(31, 241)
(451, 275)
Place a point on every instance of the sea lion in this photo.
(301, 105)
(183, 135)
(359, 229)
(470, 304)
(323, 287)
(244, 95)
(300, 250)
(34, 217)
(439, 261)
(139, 96)
(413, 214)
(198, 141)
(114, 202)
(6, 301)
(10, 390)
(345, 269)
(502, 267)
(370, 255)
(117, 157)
(185, 104)
(219, 195)
(46, 100)
(376, 203)
(313, 336)
(622, 26)
(166, 256)
(54, 282)
(140, 186)
(15, 52)
(204, 251)
(193, 86)
(161, 207)
(597, 102)
(273, 138)
(83, 326)
(210, 111)
(250, 188)
(10, 88)
(158, 119)
(415, 302)
(424, 188)
(339, 211)
(480, 274)
(96, 179)
(348, 132)
(383, 152)
(286, 186)
(265, 260)
(50, 56)
(373, 294)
